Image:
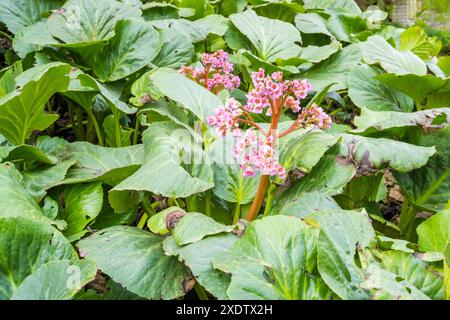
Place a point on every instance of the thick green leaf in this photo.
(87, 22)
(26, 245)
(284, 11)
(116, 136)
(199, 255)
(110, 92)
(176, 49)
(371, 153)
(275, 259)
(417, 87)
(415, 271)
(416, 40)
(334, 69)
(186, 92)
(39, 181)
(265, 33)
(174, 164)
(378, 121)
(312, 22)
(367, 92)
(152, 274)
(329, 176)
(377, 50)
(434, 233)
(195, 226)
(316, 54)
(305, 204)
(385, 285)
(22, 111)
(339, 5)
(429, 187)
(340, 232)
(134, 45)
(96, 163)
(27, 153)
(303, 149)
(15, 199)
(56, 280)
(83, 203)
(18, 14)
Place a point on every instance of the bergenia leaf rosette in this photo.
(215, 74)
(272, 95)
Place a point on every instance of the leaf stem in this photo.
(96, 126)
(407, 216)
(190, 203)
(269, 201)
(6, 36)
(208, 203)
(237, 213)
(136, 131)
(200, 291)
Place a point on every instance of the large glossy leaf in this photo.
(312, 22)
(18, 14)
(110, 92)
(152, 274)
(199, 255)
(87, 22)
(15, 199)
(417, 87)
(371, 153)
(56, 280)
(195, 226)
(377, 50)
(39, 181)
(367, 92)
(340, 232)
(305, 204)
(22, 111)
(334, 69)
(174, 164)
(83, 203)
(176, 49)
(316, 54)
(284, 11)
(415, 271)
(134, 45)
(385, 285)
(96, 163)
(378, 121)
(429, 187)
(434, 233)
(265, 33)
(187, 93)
(26, 245)
(339, 5)
(303, 149)
(27, 153)
(275, 259)
(329, 176)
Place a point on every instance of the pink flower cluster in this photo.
(215, 74)
(260, 156)
(275, 94)
(225, 119)
(272, 88)
(315, 117)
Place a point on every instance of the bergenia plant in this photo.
(272, 95)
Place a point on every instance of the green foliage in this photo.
(107, 160)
